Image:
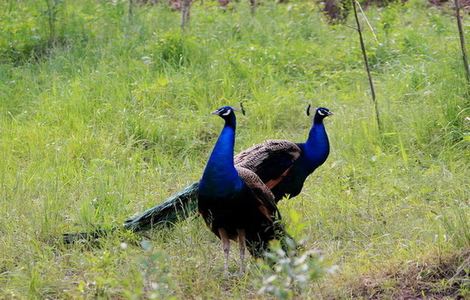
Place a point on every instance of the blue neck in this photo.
(220, 178)
(317, 146)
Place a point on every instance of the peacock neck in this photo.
(222, 154)
(317, 146)
(220, 178)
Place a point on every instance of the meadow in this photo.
(113, 116)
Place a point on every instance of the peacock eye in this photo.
(226, 113)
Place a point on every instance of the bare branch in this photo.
(366, 63)
(367, 21)
(462, 39)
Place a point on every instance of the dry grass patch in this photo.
(444, 276)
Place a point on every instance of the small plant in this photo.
(155, 272)
(174, 49)
(291, 272)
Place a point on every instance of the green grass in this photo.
(115, 117)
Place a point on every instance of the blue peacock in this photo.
(233, 201)
(283, 165)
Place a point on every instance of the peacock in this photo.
(233, 201)
(282, 165)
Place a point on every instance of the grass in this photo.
(115, 118)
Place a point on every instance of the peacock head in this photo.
(323, 112)
(227, 112)
(320, 113)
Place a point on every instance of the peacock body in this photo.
(233, 201)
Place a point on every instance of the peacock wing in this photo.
(270, 160)
(263, 195)
(258, 242)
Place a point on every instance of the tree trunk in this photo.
(185, 13)
(131, 10)
(51, 20)
(253, 6)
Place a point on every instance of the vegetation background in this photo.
(109, 115)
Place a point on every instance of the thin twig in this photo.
(462, 39)
(367, 21)
(366, 63)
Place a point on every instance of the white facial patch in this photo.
(321, 113)
(226, 113)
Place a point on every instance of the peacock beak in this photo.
(330, 113)
(215, 112)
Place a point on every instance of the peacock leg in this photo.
(242, 246)
(225, 246)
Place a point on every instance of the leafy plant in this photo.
(290, 272)
(174, 49)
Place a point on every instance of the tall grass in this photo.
(116, 117)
